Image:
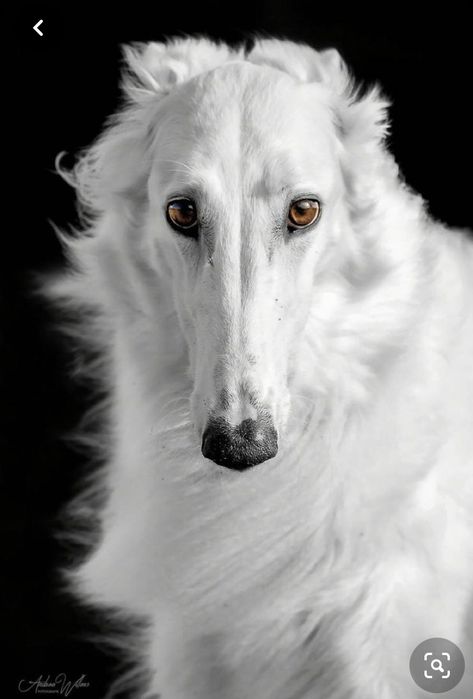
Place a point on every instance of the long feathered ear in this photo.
(360, 118)
(363, 124)
(117, 164)
(156, 68)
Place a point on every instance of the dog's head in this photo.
(252, 175)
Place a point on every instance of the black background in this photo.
(63, 85)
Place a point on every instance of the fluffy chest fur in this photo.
(281, 575)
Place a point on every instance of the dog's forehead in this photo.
(252, 121)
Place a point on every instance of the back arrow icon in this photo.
(38, 31)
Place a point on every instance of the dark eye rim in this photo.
(185, 230)
(293, 226)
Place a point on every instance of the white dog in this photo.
(286, 339)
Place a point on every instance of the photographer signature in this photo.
(59, 685)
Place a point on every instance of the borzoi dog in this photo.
(286, 338)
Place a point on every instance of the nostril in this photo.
(208, 442)
(242, 446)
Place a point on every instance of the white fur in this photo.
(315, 574)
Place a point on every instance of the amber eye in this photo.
(181, 214)
(303, 213)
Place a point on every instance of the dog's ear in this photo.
(360, 118)
(117, 164)
(156, 68)
(302, 62)
(113, 168)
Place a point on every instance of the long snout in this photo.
(236, 359)
(240, 446)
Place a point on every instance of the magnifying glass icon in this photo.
(437, 665)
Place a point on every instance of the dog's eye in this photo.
(181, 214)
(303, 213)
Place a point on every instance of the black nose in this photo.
(249, 443)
